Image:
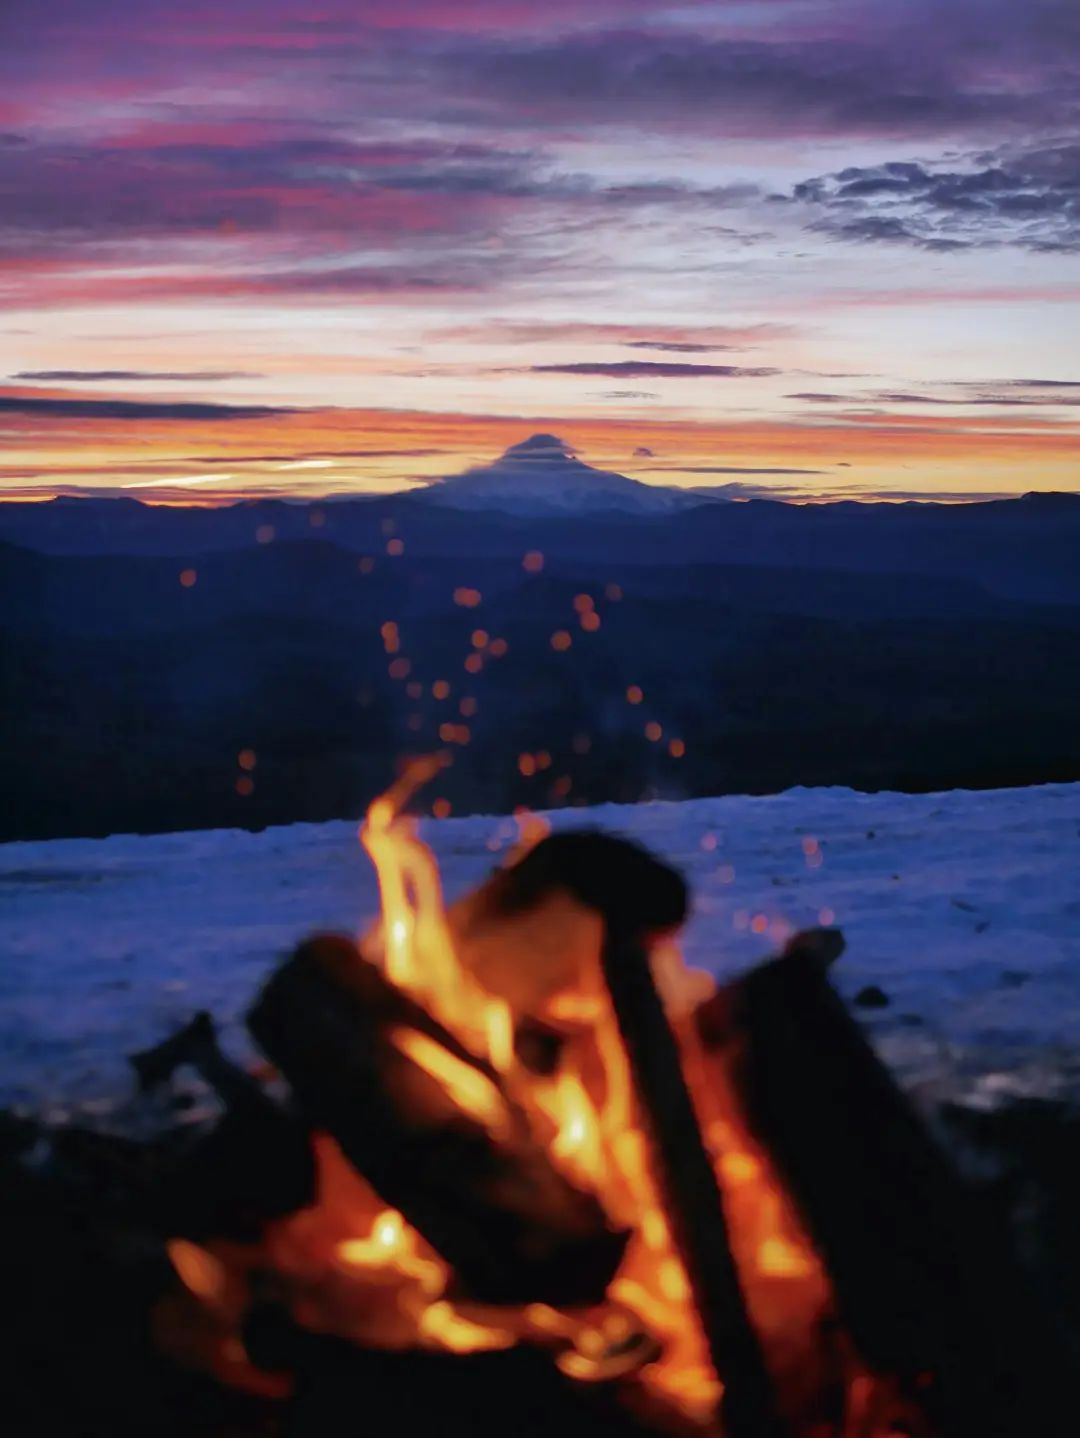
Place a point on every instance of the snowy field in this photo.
(963, 907)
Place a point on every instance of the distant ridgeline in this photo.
(671, 647)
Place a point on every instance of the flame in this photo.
(470, 1090)
(577, 1145)
(355, 1267)
(392, 1244)
(201, 1272)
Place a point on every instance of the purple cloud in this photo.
(132, 409)
(648, 369)
(901, 69)
(1028, 198)
(1019, 393)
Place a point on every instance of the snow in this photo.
(542, 476)
(962, 906)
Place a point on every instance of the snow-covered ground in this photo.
(964, 907)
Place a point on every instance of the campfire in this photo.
(515, 1146)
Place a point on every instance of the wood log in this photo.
(692, 1201)
(615, 877)
(638, 897)
(512, 1228)
(926, 1286)
(534, 930)
(255, 1163)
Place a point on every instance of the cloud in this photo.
(740, 490)
(169, 465)
(678, 347)
(250, 136)
(867, 70)
(730, 469)
(647, 369)
(1025, 198)
(921, 496)
(390, 282)
(1007, 393)
(676, 338)
(131, 409)
(400, 218)
(1040, 383)
(643, 452)
(820, 397)
(94, 221)
(85, 376)
(298, 456)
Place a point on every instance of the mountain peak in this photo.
(540, 447)
(542, 474)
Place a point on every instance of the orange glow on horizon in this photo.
(850, 449)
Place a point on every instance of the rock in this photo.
(872, 997)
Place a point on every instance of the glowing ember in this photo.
(390, 638)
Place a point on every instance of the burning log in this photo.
(924, 1285)
(432, 1127)
(688, 1182)
(535, 929)
(614, 877)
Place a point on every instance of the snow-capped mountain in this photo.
(542, 475)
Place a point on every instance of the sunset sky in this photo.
(816, 247)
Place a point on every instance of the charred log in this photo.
(491, 1204)
(925, 1284)
(614, 877)
(189, 1045)
(692, 1199)
(254, 1164)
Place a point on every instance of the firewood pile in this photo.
(510, 1168)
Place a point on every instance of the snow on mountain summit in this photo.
(541, 446)
(543, 475)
